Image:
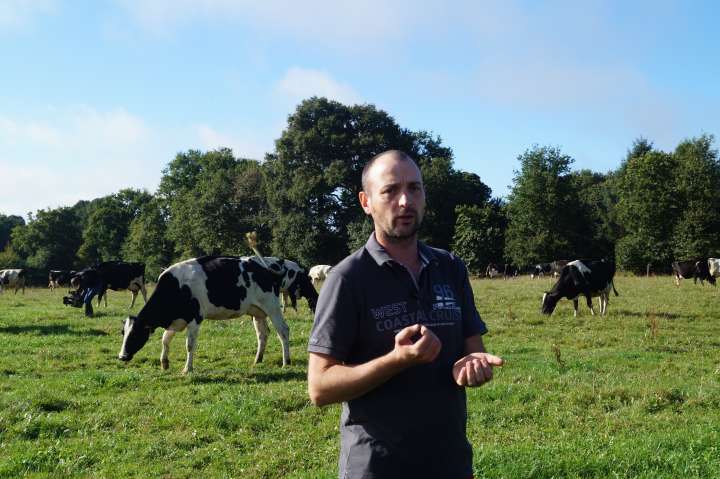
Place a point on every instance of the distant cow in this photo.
(12, 278)
(557, 266)
(296, 281)
(59, 277)
(588, 278)
(714, 267)
(540, 269)
(209, 287)
(510, 271)
(318, 274)
(492, 270)
(119, 276)
(697, 269)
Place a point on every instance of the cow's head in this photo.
(549, 301)
(301, 286)
(135, 335)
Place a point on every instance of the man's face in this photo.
(395, 198)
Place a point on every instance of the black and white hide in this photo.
(582, 278)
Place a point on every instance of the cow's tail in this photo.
(612, 282)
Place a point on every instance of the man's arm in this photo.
(475, 369)
(331, 381)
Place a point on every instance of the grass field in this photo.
(634, 394)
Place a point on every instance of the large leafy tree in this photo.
(49, 240)
(313, 179)
(7, 223)
(211, 200)
(108, 223)
(542, 209)
(480, 234)
(697, 231)
(596, 227)
(147, 241)
(648, 208)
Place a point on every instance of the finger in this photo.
(405, 335)
(461, 379)
(486, 370)
(470, 374)
(494, 360)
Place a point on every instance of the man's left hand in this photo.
(475, 369)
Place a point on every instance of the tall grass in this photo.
(632, 394)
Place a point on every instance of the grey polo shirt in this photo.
(413, 425)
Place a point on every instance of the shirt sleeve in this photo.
(472, 323)
(336, 319)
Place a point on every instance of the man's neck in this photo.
(403, 251)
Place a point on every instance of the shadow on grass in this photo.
(660, 315)
(47, 330)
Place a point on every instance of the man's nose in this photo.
(404, 200)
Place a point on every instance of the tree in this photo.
(147, 241)
(542, 209)
(313, 178)
(7, 223)
(647, 209)
(212, 199)
(480, 235)
(49, 240)
(698, 175)
(108, 223)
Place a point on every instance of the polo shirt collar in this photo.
(381, 256)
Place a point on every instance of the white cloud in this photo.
(301, 83)
(16, 13)
(349, 23)
(79, 153)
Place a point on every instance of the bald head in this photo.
(389, 154)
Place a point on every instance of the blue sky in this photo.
(100, 95)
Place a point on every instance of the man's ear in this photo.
(364, 201)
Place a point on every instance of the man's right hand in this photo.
(424, 350)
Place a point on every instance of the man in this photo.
(396, 339)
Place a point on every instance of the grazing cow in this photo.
(295, 282)
(492, 270)
(208, 287)
(318, 274)
(119, 275)
(697, 269)
(59, 277)
(589, 278)
(540, 269)
(12, 278)
(510, 271)
(714, 267)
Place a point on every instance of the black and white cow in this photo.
(588, 278)
(318, 274)
(510, 271)
(59, 277)
(12, 278)
(697, 269)
(119, 276)
(296, 282)
(208, 287)
(540, 270)
(557, 266)
(714, 267)
(492, 270)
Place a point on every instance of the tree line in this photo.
(301, 200)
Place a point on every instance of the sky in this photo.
(100, 95)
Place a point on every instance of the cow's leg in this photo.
(261, 331)
(167, 337)
(143, 291)
(575, 307)
(588, 299)
(134, 295)
(193, 329)
(283, 332)
(677, 280)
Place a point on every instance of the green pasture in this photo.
(633, 394)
